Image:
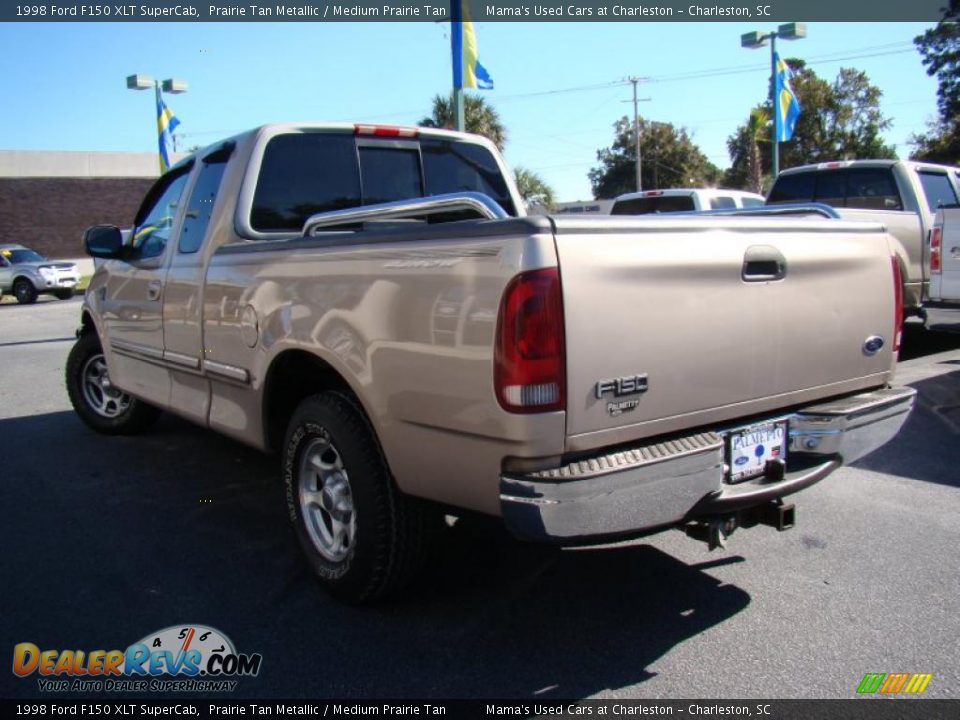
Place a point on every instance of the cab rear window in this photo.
(868, 188)
(657, 204)
(303, 174)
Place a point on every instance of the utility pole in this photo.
(636, 128)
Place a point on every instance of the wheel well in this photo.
(86, 325)
(293, 376)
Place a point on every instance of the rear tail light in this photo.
(898, 303)
(529, 362)
(935, 240)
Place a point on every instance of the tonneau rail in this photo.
(480, 203)
(810, 208)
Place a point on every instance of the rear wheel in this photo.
(64, 294)
(24, 291)
(100, 404)
(362, 537)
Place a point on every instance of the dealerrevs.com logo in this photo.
(180, 658)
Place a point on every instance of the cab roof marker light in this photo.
(385, 130)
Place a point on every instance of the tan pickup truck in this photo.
(372, 304)
(902, 195)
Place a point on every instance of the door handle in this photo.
(154, 289)
(763, 263)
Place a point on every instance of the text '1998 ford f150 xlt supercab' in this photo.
(371, 303)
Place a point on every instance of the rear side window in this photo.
(750, 202)
(937, 188)
(873, 189)
(303, 174)
(796, 187)
(657, 204)
(450, 166)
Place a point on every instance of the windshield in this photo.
(22, 255)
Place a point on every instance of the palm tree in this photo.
(533, 189)
(758, 127)
(481, 118)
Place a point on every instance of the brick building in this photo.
(47, 199)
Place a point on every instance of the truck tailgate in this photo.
(684, 305)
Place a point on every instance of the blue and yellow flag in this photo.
(467, 70)
(787, 107)
(166, 123)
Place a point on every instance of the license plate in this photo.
(750, 449)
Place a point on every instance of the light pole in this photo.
(753, 40)
(173, 86)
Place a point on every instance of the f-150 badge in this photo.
(619, 387)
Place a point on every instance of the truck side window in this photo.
(200, 205)
(722, 202)
(937, 188)
(303, 174)
(154, 220)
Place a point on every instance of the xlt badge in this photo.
(618, 387)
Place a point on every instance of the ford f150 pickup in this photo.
(371, 303)
(901, 194)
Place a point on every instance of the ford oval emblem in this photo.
(742, 460)
(872, 345)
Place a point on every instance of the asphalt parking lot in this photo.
(108, 539)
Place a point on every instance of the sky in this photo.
(556, 83)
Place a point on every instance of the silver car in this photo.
(26, 274)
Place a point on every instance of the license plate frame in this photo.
(748, 449)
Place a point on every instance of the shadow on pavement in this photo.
(109, 539)
(936, 414)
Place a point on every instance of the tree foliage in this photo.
(838, 120)
(480, 118)
(534, 189)
(940, 50)
(669, 158)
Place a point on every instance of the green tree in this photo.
(940, 49)
(534, 189)
(480, 118)
(838, 120)
(669, 158)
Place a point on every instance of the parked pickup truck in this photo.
(941, 310)
(371, 303)
(901, 194)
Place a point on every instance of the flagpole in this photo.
(774, 98)
(456, 52)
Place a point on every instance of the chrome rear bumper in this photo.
(656, 485)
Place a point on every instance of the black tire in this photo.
(24, 291)
(387, 542)
(65, 294)
(107, 410)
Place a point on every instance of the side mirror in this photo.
(103, 241)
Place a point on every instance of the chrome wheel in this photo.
(98, 392)
(326, 502)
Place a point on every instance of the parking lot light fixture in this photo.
(174, 86)
(756, 39)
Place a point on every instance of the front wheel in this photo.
(362, 537)
(24, 291)
(100, 404)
